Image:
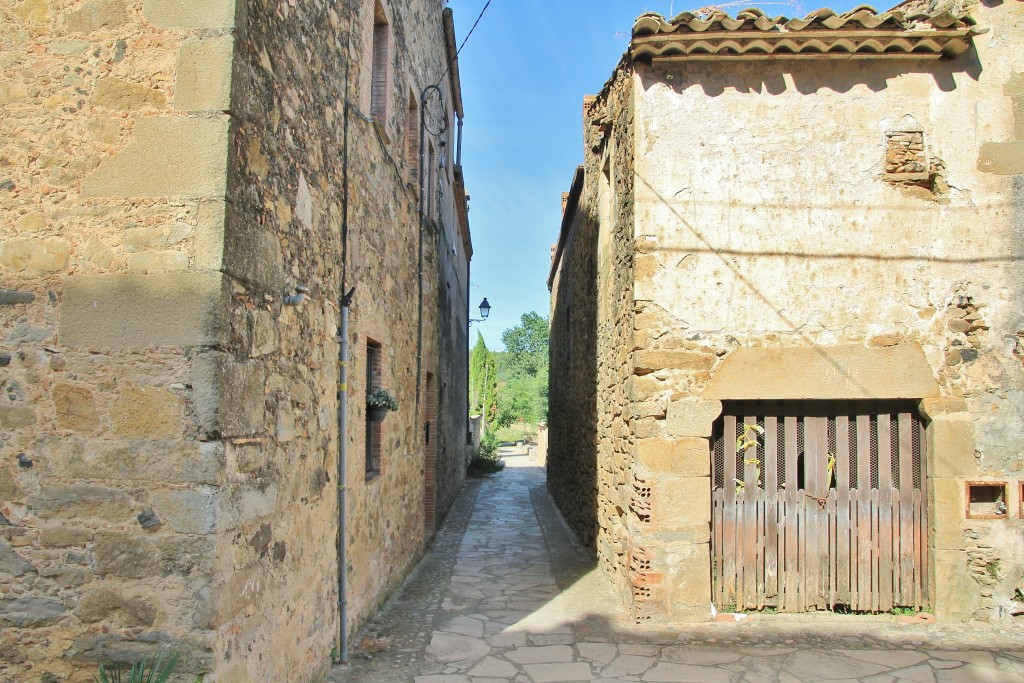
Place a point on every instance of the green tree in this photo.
(523, 393)
(527, 345)
(483, 381)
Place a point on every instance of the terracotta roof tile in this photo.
(751, 34)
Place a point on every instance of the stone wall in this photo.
(114, 489)
(590, 470)
(767, 223)
(170, 442)
(806, 235)
(572, 464)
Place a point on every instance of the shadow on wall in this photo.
(573, 383)
(728, 258)
(807, 77)
(758, 643)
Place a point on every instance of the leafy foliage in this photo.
(485, 459)
(524, 368)
(381, 398)
(527, 345)
(489, 444)
(483, 381)
(157, 671)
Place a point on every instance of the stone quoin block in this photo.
(167, 157)
(688, 580)
(131, 556)
(156, 237)
(241, 590)
(189, 511)
(203, 74)
(74, 501)
(961, 593)
(209, 235)
(692, 417)
(169, 461)
(189, 13)
(228, 395)
(681, 457)
(951, 446)
(681, 507)
(142, 311)
(157, 261)
(946, 514)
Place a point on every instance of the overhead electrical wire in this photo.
(464, 41)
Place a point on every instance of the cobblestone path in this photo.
(505, 594)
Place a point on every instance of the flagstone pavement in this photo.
(506, 594)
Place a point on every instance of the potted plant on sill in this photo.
(379, 403)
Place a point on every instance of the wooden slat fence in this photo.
(826, 511)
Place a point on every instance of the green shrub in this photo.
(157, 671)
(489, 444)
(485, 460)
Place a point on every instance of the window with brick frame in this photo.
(374, 430)
(412, 141)
(430, 457)
(431, 188)
(381, 53)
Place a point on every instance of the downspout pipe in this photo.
(458, 147)
(341, 476)
(343, 481)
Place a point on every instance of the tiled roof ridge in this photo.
(865, 16)
(860, 33)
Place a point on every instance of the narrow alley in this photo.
(506, 594)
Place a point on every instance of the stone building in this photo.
(786, 323)
(187, 190)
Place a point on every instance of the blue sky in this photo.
(524, 73)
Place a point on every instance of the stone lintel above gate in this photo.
(823, 372)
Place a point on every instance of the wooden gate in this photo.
(819, 505)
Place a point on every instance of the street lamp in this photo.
(485, 310)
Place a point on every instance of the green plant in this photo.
(381, 398)
(485, 459)
(743, 442)
(481, 466)
(157, 671)
(488, 444)
(904, 611)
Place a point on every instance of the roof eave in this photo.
(571, 206)
(775, 45)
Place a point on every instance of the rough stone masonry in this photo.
(168, 426)
(741, 215)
